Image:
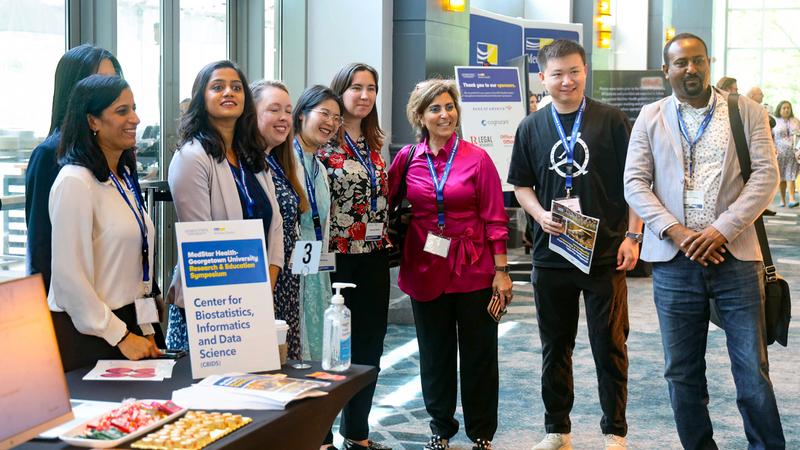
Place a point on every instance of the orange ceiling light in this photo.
(454, 5)
(603, 24)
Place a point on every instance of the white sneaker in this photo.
(614, 442)
(555, 441)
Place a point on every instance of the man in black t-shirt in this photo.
(541, 173)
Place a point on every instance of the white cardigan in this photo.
(203, 189)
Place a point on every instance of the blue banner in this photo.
(536, 38)
(493, 42)
(218, 263)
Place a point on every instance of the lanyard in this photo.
(312, 191)
(700, 131)
(369, 167)
(241, 185)
(139, 219)
(438, 185)
(569, 145)
(276, 167)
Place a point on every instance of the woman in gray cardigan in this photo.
(219, 171)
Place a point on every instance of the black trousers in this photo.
(605, 293)
(81, 350)
(453, 326)
(369, 306)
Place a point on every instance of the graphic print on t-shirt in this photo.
(580, 161)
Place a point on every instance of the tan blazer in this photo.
(654, 180)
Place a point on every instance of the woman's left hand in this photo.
(502, 285)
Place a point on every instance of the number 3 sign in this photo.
(305, 257)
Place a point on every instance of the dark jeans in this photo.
(369, 305)
(681, 290)
(458, 326)
(605, 294)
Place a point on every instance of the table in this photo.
(301, 426)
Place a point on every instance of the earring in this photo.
(94, 132)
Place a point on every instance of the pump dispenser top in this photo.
(337, 298)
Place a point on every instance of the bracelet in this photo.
(505, 269)
(127, 332)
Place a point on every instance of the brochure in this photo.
(247, 391)
(125, 370)
(576, 242)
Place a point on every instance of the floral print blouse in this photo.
(351, 196)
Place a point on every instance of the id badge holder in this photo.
(146, 311)
(374, 231)
(436, 244)
(694, 200)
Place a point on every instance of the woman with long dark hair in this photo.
(75, 65)
(219, 171)
(101, 263)
(274, 109)
(357, 174)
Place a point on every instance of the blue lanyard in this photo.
(569, 146)
(276, 167)
(312, 191)
(438, 185)
(700, 131)
(369, 167)
(139, 219)
(241, 185)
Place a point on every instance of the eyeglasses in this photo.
(337, 119)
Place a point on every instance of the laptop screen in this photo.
(33, 391)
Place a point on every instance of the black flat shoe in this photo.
(350, 445)
(436, 442)
(482, 444)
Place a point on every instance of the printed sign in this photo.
(228, 297)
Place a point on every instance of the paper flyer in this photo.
(576, 242)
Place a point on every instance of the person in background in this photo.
(728, 85)
(219, 172)
(357, 174)
(74, 65)
(540, 172)
(101, 260)
(533, 103)
(786, 128)
(454, 261)
(274, 108)
(757, 95)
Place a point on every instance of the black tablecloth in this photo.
(301, 426)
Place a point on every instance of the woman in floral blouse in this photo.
(357, 175)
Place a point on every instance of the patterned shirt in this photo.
(351, 196)
(709, 153)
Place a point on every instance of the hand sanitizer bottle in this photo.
(336, 333)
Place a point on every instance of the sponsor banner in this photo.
(629, 90)
(491, 110)
(228, 297)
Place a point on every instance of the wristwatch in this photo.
(638, 237)
(505, 269)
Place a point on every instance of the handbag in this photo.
(777, 298)
(399, 217)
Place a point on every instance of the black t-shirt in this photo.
(538, 161)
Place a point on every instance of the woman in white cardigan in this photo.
(219, 171)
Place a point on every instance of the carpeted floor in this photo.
(399, 418)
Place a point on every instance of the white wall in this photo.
(630, 34)
(549, 10)
(344, 31)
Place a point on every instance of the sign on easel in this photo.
(228, 297)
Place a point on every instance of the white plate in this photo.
(71, 437)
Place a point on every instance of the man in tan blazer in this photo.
(682, 177)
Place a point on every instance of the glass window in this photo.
(270, 48)
(139, 54)
(203, 39)
(33, 36)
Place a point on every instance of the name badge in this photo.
(306, 257)
(327, 262)
(437, 245)
(146, 311)
(694, 200)
(374, 231)
(573, 203)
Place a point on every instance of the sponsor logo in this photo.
(534, 44)
(486, 53)
(558, 158)
(200, 232)
(507, 139)
(482, 140)
(493, 122)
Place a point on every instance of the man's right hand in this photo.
(549, 226)
(135, 347)
(683, 238)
